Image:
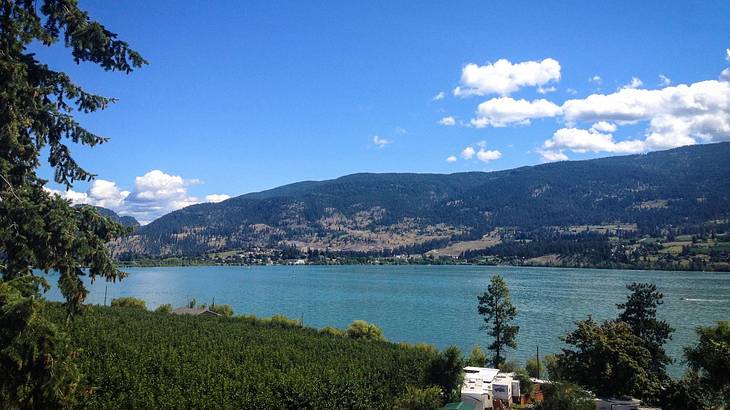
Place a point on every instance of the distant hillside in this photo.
(456, 212)
(128, 221)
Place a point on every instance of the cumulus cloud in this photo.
(664, 80)
(216, 197)
(155, 194)
(381, 142)
(634, 83)
(440, 96)
(468, 153)
(448, 121)
(451, 158)
(725, 75)
(604, 126)
(595, 79)
(727, 55)
(486, 156)
(503, 111)
(552, 156)
(580, 140)
(504, 78)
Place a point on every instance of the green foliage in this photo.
(35, 358)
(332, 331)
(608, 359)
(447, 372)
(129, 302)
(282, 320)
(566, 396)
(639, 312)
(535, 367)
(710, 359)
(427, 347)
(477, 357)
(223, 310)
(192, 303)
(551, 367)
(166, 308)
(415, 398)
(687, 393)
(526, 384)
(360, 329)
(498, 311)
(138, 359)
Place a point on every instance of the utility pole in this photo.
(105, 288)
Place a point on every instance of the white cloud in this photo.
(381, 142)
(552, 156)
(468, 153)
(571, 91)
(545, 90)
(595, 79)
(580, 140)
(440, 96)
(664, 80)
(451, 158)
(448, 121)
(503, 111)
(216, 197)
(486, 156)
(155, 194)
(604, 126)
(635, 83)
(504, 78)
(727, 54)
(725, 75)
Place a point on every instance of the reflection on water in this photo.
(434, 304)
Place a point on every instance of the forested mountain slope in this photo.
(373, 212)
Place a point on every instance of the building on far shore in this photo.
(198, 311)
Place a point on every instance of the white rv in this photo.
(482, 385)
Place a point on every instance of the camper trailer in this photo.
(483, 386)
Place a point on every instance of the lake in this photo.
(432, 304)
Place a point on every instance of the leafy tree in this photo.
(496, 307)
(415, 398)
(477, 357)
(37, 229)
(223, 310)
(711, 360)
(35, 359)
(566, 396)
(166, 308)
(639, 312)
(551, 367)
(608, 359)
(535, 367)
(687, 393)
(447, 372)
(129, 302)
(360, 329)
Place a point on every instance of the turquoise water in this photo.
(433, 304)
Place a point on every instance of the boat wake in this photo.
(704, 300)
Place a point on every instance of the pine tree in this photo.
(496, 307)
(39, 230)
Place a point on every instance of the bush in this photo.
(360, 329)
(566, 396)
(447, 372)
(166, 308)
(477, 357)
(223, 310)
(534, 367)
(284, 321)
(414, 398)
(129, 302)
(332, 331)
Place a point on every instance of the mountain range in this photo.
(454, 213)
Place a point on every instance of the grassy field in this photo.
(138, 359)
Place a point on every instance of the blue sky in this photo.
(244, 96)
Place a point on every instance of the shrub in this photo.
(332, 331)
(414, 398)
(166, 308)
(283, 320)
(477, 357)
(447, 371)
(360, 329)
(223, 310)
(129, 302)
(566, 396)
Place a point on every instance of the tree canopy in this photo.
(499, 312)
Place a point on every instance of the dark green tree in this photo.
(39, 230)
(639, 312)
(710, 359)
(608, 359)
(499, 312)
(447, 372)
(566, 396)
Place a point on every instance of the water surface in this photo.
(433, 304)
